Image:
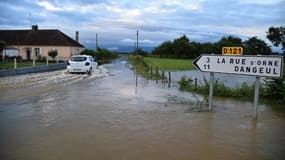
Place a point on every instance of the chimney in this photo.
(77, 36)
(34, 27)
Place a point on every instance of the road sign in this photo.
(232, 50)
(264, 66)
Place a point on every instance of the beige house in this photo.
(37, 43)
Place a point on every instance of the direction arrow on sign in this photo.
(263, 66)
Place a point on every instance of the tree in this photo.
(207, 48)
(2, 46)
(181, 48)
(140, 52)
(229, 41)
(274, 87)
(164, 50)
(101, 55)
(89, 52)
(277, 36)
(254, 46)
(193, 50)
(52, 53)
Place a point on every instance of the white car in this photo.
(81, 64)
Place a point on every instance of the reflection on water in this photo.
(123, 116)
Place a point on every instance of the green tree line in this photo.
(182, 47)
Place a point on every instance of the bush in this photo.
(89, 52)
(140, 52)
(275, 89)
(185, 83)
(41, 58)
(101, 55)
(52, 53)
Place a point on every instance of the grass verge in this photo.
(10, 65)
(169, 64)
(141, 67)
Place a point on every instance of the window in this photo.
(78, 59)
(37, 52)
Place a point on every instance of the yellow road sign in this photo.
(232, 50)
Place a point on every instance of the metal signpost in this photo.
(258, 66)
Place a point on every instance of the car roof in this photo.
(81, 56)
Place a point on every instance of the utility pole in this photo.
(96, 42)
(137, 40)
(137, 44)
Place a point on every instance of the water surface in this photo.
(115, 114)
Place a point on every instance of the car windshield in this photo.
(78, 59)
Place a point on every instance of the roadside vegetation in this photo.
(243, 91)
(272, 90)
(101, 55)
(139, 66)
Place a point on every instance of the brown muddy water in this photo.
(109, 116)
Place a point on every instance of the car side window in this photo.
(91, 59)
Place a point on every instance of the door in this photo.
(28, 53)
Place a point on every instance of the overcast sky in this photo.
(116, 21)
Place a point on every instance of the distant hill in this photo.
(123, 49)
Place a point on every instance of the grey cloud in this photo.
(214, 19)
(18, 14)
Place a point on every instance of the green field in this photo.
(169, 64)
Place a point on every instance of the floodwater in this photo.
(115, 114)
(229, 80)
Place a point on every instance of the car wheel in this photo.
(89, 72)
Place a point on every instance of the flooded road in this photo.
(110, 115)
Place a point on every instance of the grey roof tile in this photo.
(37, 37)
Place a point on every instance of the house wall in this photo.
(64, 52)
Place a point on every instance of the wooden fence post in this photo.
(196, 83)
(150, 72)
(15, 63)
(169, 79)
(162, 79)
(34, 62)
(156, 74)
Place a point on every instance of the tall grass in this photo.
(244, 91)
(142, 68)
